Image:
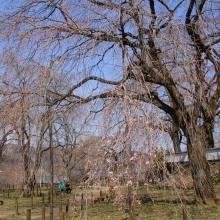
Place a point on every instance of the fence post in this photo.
(60, 195)
(8, 191)
(130, 202)
(43, 198)
(43, 212)
(92, 198)
(62, 216)
(82, 201)
(28, 214)
(40, 192)
(67, 207)
(55, 193)
(82, 208)
(100, 195)
(16, 206)
(31, 200)
(3, 194)
(60, 211)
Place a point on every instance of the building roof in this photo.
(212, 154)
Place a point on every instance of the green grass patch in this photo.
(155, 204)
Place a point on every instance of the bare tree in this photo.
(19, 111)
(169, 48)
(26, 113)
(6, 131)
(67, 137)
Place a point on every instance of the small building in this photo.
(212, 155)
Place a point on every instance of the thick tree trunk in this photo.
(176, 137)
(208, 131)
(26, 168)
(203, 185)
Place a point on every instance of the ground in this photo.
(155, 204)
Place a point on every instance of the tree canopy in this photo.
(163, 53)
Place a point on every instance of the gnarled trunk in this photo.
(176, 137)
(203, 185)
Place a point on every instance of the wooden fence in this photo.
(40, 199)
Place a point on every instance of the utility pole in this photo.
(51, 161)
